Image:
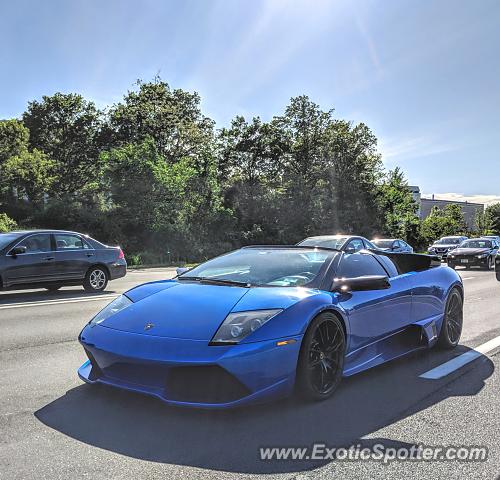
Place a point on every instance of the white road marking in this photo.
(468, 278)
(458, 362)
(57, 302)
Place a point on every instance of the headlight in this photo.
(482, 255)
(115, 306)
(238, 325)
(452, 256)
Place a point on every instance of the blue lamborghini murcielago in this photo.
(262, 322)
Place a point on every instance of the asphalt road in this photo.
(53, 426)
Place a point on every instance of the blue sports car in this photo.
(260, 322)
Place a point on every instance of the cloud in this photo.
(458, 197)
(413, 147)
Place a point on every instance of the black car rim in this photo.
(325, 355)
(454, 318)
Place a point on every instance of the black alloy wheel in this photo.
(321, 359)
(451, 329)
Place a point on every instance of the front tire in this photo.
(451, 329)
(96, 280)
(321, 359)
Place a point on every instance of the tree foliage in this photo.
(444, 222)
(6, 223)
(14, 137)
(68, 129)
(32, 174)
(491, 220)
(398, 208)
(154, 175)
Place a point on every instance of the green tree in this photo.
(31, 174)
(398, 208)
(483, 223)
(172, 118)
(14, 138)
(6, 223)
(250, 174)
(149, 195)
(492, 215)
(67, 128)
(443, 222)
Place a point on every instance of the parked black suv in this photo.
(52, 258)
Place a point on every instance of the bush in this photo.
(6, 223)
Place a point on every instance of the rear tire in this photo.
(96, 280)
(321, 359)
(491, 264)
(451, 329)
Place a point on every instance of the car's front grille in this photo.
(204, 384)
(198, 384)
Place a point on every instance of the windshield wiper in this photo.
(215, 281)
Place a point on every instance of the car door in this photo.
(73, 256)
(34, 266)
(374, 314)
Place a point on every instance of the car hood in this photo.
(195, 311)
(471, 251)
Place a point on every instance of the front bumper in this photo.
(189, 372)
(441, 255)
(470, 262)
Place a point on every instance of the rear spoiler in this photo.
(411, 262)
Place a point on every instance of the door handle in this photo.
(90, 254)
(49, 258)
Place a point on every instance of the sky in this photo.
(424, 75)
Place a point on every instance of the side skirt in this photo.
(417, 336)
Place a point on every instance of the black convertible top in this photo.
(411, 262)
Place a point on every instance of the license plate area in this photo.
(464, 260)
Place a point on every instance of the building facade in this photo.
(425, 206)
(470, 210)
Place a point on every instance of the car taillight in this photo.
(121, 254)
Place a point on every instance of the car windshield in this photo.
(277, 267)
(6, 238)
(476, 244)
(448, 241)
(327, 242)
(383, 243)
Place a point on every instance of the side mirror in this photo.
(181, 270)
(17, 251)
(358, 284)
(350, 250)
